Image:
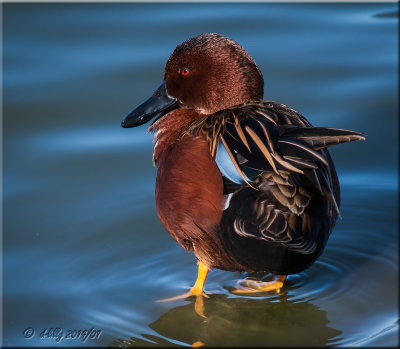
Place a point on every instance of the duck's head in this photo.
(206, 73)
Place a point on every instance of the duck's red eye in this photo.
(185, 71)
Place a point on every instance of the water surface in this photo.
(82, 244)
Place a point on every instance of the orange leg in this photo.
(253, 286)
(202, 272)
(196, 290)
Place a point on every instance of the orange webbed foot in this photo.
(196, 290)
(198, 305)
(252, 286)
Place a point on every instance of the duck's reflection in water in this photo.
(241, 321)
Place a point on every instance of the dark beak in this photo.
(158, 103)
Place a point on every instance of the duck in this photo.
(246, 184)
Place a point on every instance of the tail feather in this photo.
(321, 137)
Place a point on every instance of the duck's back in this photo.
(283, 200)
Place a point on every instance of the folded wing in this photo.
(274, 150)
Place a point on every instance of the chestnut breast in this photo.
(189, 193)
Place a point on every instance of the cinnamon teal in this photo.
(244, 183)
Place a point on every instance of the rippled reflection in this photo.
(240, 322)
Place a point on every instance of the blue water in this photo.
(82, 244)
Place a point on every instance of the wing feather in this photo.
(275, 150)
(262, 147)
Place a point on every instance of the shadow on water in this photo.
(392, 14)
(240, 321)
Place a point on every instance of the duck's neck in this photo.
(169, 128)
